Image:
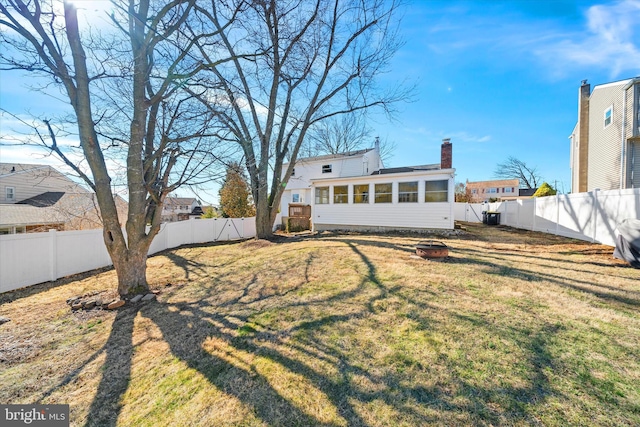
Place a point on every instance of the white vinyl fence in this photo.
(27, 259)
(592, 216)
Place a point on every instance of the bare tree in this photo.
(514, 168)
(343, 134)
(125, 90)
(295, 64)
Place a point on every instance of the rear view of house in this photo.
(353, 191)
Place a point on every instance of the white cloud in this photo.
(610, 41)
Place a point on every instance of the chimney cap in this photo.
(584, 82)
(446, 140)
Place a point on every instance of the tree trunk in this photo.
(264, 223)
(131, 268)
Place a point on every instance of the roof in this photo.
(50, 207)
(406, 169)
(334, 156)
(49, 198)
(180, 200)
(526, 191)
(11, 168)
(617, 83)
(28, 215)
(513, 182)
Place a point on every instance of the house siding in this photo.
(605, 143)
(394, 215)
(32, 182)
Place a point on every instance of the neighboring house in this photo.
(499, 190)
(354, 191)
(180, 209)
(605, 143)
(37, 198)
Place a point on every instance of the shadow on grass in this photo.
(116, 371)
(186, 327)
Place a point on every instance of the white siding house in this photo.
(354, 192)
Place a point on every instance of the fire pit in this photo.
(432, 249)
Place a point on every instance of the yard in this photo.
(515, 328)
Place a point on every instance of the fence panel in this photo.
(26, 259)
(592, 216)
(33, 258)
(575, 215)
(79, 251)
(468, 212)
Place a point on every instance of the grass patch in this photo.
(515, 328)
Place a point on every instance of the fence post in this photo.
(535, 214)
(242, 235)
(594, 215)
(557, 214)
(53, 256)
(193, 229)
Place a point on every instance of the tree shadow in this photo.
(116, 371)
(187, 327)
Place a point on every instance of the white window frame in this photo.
(295, 196)
(428, 192)
(322, 195)
(408, 196)
(610, 111)
(341, 198)
(363, 197)
(13, 194)
(380, 196)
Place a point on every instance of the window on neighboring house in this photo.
(341, 194)
(474, 191)
(508, 190)
(326, 168)
(295, 198)
(492, 190)
(361, 193)
(608, 116)
(408, 192)
(436, 191)
(383, 193)
(322, 195)
(10, 193)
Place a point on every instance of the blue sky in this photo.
(500, 78)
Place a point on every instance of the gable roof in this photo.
(180, 200)
(333, 156)
(10, 168)
(53, 208)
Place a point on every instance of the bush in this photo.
(544, 190)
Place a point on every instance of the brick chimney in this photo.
(583, 138)
(446, 154)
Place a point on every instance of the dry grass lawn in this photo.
(515, 328)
